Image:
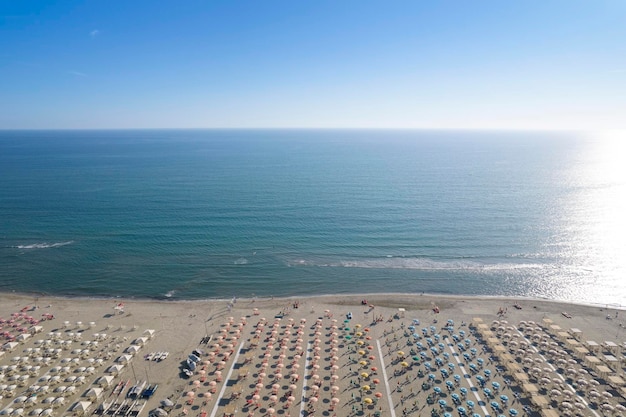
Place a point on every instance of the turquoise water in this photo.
(188, 214)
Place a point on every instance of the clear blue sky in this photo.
(338, 63)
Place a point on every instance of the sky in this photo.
(484, 64)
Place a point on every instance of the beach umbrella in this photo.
(367, 400)
(167, 403)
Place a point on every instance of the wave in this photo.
(44, 245)
(424, 264)
(241, 261)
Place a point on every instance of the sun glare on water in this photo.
(599, 216)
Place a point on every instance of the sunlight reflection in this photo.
(597, 214)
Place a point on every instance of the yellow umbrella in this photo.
(360, 343)
(365, 387)
(363, 363)
(404, 364)
(367, 400)
(400, 353)
(359, 334)
(361, 352)
(357, 326)
(364, 374)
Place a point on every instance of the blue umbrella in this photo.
(476, 415)
(461, 410)
(457, 377)
(487, 372)
(431, 377)
(487, 392)
(473, 350)
(470, 404)
(416, 322)
(449, 383)
(447, 415)
(442, 403)
(504, 398)
(411, 328)
(495, 405)
(495, 385)
(437, 337)
(433, 329)
(446, 355)
(480, 361)
(455, 397)
(462, 333)
(451, 366)
(513, 411)
(437, 390)
(463, 390)
(416, 336)
(455, 338)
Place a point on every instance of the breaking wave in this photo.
(44, 245)
(424, 264)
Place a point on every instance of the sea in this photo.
(212, 214)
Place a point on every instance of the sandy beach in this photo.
(370, 355)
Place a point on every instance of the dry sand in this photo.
(240, 383)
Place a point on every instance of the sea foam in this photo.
(44, 245)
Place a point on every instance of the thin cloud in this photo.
(78, 74)
(94, 33)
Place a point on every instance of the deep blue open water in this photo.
(191, 214)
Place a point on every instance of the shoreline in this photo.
(166, 300)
